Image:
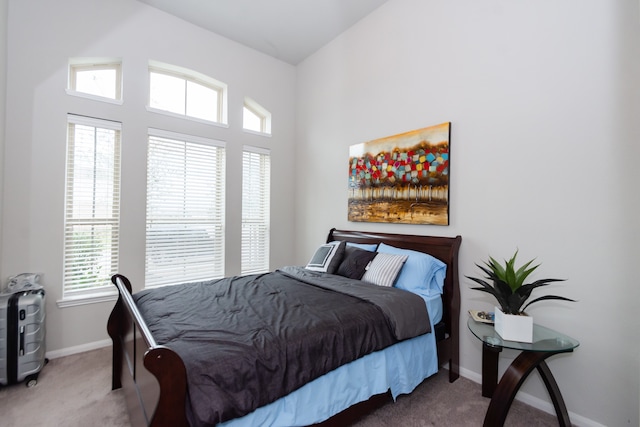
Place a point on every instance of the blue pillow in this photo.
(421, 272)
(371, 247)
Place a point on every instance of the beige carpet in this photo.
(75, 391)
(72, 391)
(436, 402)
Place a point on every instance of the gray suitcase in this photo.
(22, 336)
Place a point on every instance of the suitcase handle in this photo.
(21, 341)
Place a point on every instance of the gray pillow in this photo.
(355, 262)
(327, 258)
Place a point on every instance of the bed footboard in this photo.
(153, 377)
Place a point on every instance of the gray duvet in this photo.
(249, 340)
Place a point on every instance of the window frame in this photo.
(105, 291)
(188, 223)
(86, 64)
(262, 113)
(194, 77)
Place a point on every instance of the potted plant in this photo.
(508, 287)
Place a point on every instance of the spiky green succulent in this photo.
(508, 285)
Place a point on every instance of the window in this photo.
(92, 205)
(101, 78)
(255, 118)
(256, 183)
(185, 209)
(186, 93)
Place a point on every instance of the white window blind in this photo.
(256, 184)
(185, 209)
(92, 204)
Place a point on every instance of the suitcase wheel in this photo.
(31, 380)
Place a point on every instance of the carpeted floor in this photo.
(75, 391)
(436, 402)
(72, 391)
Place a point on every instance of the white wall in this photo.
(3, 99)
(42, 36)
(543, 100)
(542, 96)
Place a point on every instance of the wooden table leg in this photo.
(554, 392)
(489, 369)
(511, 381)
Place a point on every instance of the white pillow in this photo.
(384, 269)
(327, 258)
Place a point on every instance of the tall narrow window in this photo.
(187, 93)
(255, 118)
(185, 209)
(92, 205)
(99, 78)
(256, 183)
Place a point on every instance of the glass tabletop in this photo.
(544, 339)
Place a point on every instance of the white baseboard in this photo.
(78, 349)
(543, 405)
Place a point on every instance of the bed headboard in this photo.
(445, 249)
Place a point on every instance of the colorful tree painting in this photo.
(402, 178)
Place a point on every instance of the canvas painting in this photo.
(402, 178)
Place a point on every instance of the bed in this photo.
(160, 390)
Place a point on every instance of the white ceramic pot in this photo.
(512, 327)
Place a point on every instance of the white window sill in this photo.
(76, 300)
(94, 97)
(255, 132)
(185, 117)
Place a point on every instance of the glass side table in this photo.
(546, 343)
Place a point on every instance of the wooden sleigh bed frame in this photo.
(153, 376)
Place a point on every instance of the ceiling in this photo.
(289, 30)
